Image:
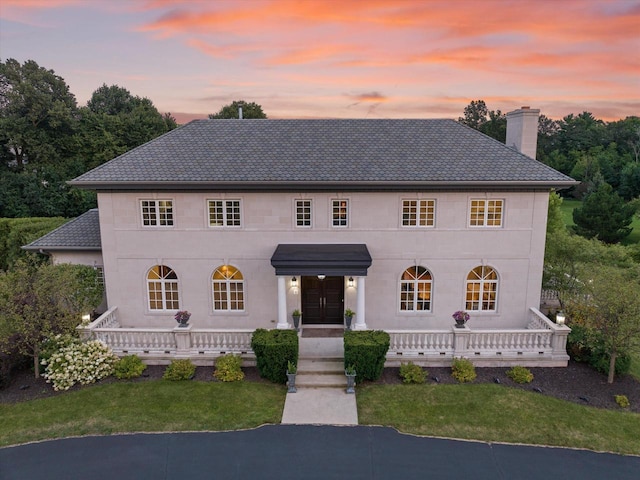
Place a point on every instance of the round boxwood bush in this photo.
(463, 370)
(130, 366)
(180, 370)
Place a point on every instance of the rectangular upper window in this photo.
(157, 213)
(340, 213)
(303, 213)
(224, 213)
(418, 213)
(486, 213)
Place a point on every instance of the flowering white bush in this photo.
(79, 363)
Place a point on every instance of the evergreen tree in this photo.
(604, 215)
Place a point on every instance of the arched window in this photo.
(415, 289)
(482, 289)
(162, 286)
(228, 289)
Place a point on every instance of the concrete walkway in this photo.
(320, 406)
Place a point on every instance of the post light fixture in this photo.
(560, 318)
(321, 277)
(86, 318)
(350, 282)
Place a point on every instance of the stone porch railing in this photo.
(541, 344)
(158, 346)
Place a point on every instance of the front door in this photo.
(322, 300)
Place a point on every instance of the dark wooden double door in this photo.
(322, 300)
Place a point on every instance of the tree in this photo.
(490, 122)
(604, 215)
(40, 301)
(114, 122)
(37, 114)
(612, 298)
(555, 222)
(581, 132)
(249, 110)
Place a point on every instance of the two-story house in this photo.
(403, 221)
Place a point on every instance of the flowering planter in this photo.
(291, 383)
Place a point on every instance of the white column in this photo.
(360, 315)
(282, 304)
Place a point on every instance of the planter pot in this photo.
(296, 322)
(291, 383)
(460, 323)
(351, 383)
(347, 321)
(183, 323)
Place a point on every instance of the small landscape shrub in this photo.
(273, 350)
(463, 370)
(367, 351)
(520, 374)
(412, 373)
(130, 366)
(79, 362)
(179, 370)
(623, 401)
(228, 368)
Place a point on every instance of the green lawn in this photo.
(479, 412)
(497, 414)
(153, 406)
(568, 205)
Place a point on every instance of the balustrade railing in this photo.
(542, 342)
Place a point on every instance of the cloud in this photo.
(369, 97)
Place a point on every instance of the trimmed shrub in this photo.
(366, 350)
(228, 368)
(179, 370)
(130, 366)
(520, 374)
(273, 350)
(463, 370)
(623, 401)
(79, 363)
(412, 373)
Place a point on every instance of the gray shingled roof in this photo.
(81, 233)
(321, 153)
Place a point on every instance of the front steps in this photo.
(320, 373)
(321, 363)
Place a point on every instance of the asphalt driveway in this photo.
(302, 452)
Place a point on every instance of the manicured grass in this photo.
(498, 414)
(568, 205)
(153, 406)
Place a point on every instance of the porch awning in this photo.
(321, 259)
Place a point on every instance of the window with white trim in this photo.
(225, 213)
(415, 289)
(303, 213)
(418, 213)
(485, 212)
(340, 213)
(162, 288)
(228, 289)
(157, 213)
(482, 289)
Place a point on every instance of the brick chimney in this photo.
(522, 130)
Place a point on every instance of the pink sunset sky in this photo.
(340, 58)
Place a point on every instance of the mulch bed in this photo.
(577, 383)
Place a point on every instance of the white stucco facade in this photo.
(449, 250)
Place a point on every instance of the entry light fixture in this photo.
(294, 282)
(321, 277)
(350, 282)
(560, 318)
